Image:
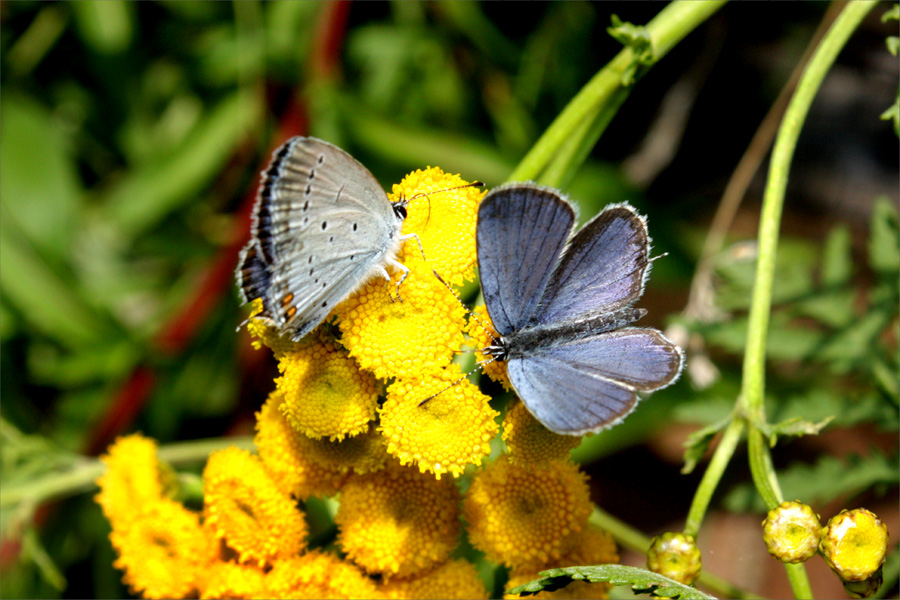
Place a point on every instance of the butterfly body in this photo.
(563, 307)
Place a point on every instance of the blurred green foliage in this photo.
(132, 134)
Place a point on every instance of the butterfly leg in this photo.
(399, 265)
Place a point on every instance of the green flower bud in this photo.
(854, 544)
(865, 588)
(676, 556)
(791, 532)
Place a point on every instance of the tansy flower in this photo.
(164, 551)
(446, 433)
(247, 510)
(530, 442)
(325, 392)
(398, 521)
(410, 337)
(444, 218)
(305, 467)
(592, 546)
(791, 531)
(318, 574)
(132, 480)
(526, 517)
(455, 579)
(482, 333)
(233, 580)
(854, 544)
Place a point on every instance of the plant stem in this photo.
(83, 476)
(720, 459)
(666, 29)
(753, 380)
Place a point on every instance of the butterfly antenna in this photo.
(487, 329)
(480, 365)
(427, 194)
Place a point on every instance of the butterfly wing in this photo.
(321, 226)
(592, 383)
(602, 269)
(522, 228)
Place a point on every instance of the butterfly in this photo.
(563, 307)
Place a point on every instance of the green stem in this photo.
(83, 476)
(753, 380)
(669, 27)
(752, 394)
(720, 459)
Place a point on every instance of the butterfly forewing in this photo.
(602, 269)
(322, 225)
(522, 228)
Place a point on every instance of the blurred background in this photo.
(131, 140)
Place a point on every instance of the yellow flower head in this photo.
(410, 337)
(305, 467)
(233, 580)
(854, 544)
(444, 219)
(164, 551)
(319, 574)
(448, 432)
(248, 511)
(530, 442)
(455, 579)
(526, 517)
(132, 480)
(592, 546)
(325, 392)
(398, 521)
(482, 333)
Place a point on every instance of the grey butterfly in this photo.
(563, 306)
(322, 226)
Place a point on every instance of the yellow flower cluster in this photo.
(374, 410)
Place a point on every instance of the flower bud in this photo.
(791, 532)
(854, 544)
(676, 556)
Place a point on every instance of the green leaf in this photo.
(698, 442)
(637, 38)
(837, 259)
(884, 238)
(104, 26)
(144, 196)
(39, 187)
(642, 581)
(796, 426)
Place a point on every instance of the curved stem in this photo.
(666, 29)
(720, 459)
(753, 380)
